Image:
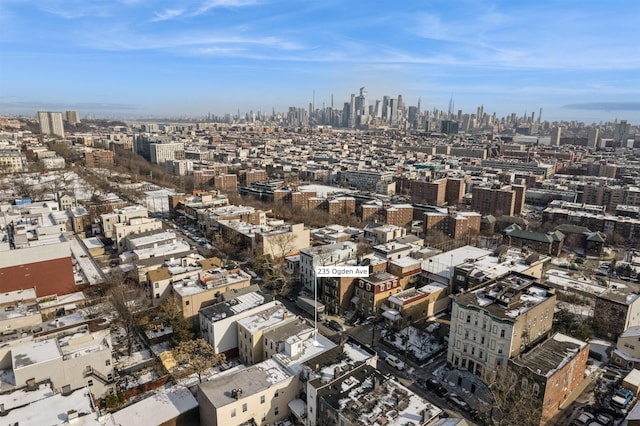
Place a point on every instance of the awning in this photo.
(355, 300)
(392, 315)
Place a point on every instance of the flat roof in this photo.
(55, 411)
(35, 353)
(250, 381)
(157, 409)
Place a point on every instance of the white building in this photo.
(51, 123)
(327, 255)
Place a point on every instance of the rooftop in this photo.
(507, 298)
(265, 319)
(551, 355)
(159, 408)
(250, 381)
(366, 397)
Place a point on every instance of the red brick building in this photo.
(48, 269)
(552, 370)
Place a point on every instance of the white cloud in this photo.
(167, 14)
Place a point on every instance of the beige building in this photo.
(416, 304)
(282, 241)
(627, 351)
(259, 394)
(123, 215)
(81, 358)
(206, 289)
(19, 310)
(252, 328)
(492, 324)
(11, 160)
(136, 225)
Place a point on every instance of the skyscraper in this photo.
(555, 136)
(593, 137)
(72, 117)
(51, 123)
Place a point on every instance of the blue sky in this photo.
(574, 59)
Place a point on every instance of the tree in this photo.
(123, 298)
(515, 400)
(171, 311)
(196, 356)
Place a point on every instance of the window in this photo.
(233, 412)
(157, 285)
(276, 411)
(244, 408)
(468, 318)
(107, 362)
(276, 394)
(186, 303)
(262, 399)
(502, 332)
(90, 382)
(482, 340)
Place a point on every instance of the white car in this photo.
(394, 362)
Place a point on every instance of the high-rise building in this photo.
(593, 137)
(621, 133)
(51, 123)
(72, 117)
(556, 132)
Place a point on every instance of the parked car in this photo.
(604, 419)
(584, 419)
(441, 391)
(622, 398)
(394, 362)
(335, 325)
(455, 399)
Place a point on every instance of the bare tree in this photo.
(123, 298)
(515, 399)
(196, 356)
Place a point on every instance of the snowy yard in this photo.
(417, 343)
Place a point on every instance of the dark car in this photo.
(334, 325)
(441, 391)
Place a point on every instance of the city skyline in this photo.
(576, 61)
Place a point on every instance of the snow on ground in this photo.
(416, 342)
(583, 311)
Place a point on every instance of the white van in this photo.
(394, 362)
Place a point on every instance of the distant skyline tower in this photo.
(592, 142)
(539, 115)
(51, 123)
(556, 133)
(72, 117)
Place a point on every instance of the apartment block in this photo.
(552, 370)
(490, 325)
(373, 291)
(252, 328)
(71, 362)
(616, 310)
(218, 322)
(260, 394)
(99, 158)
